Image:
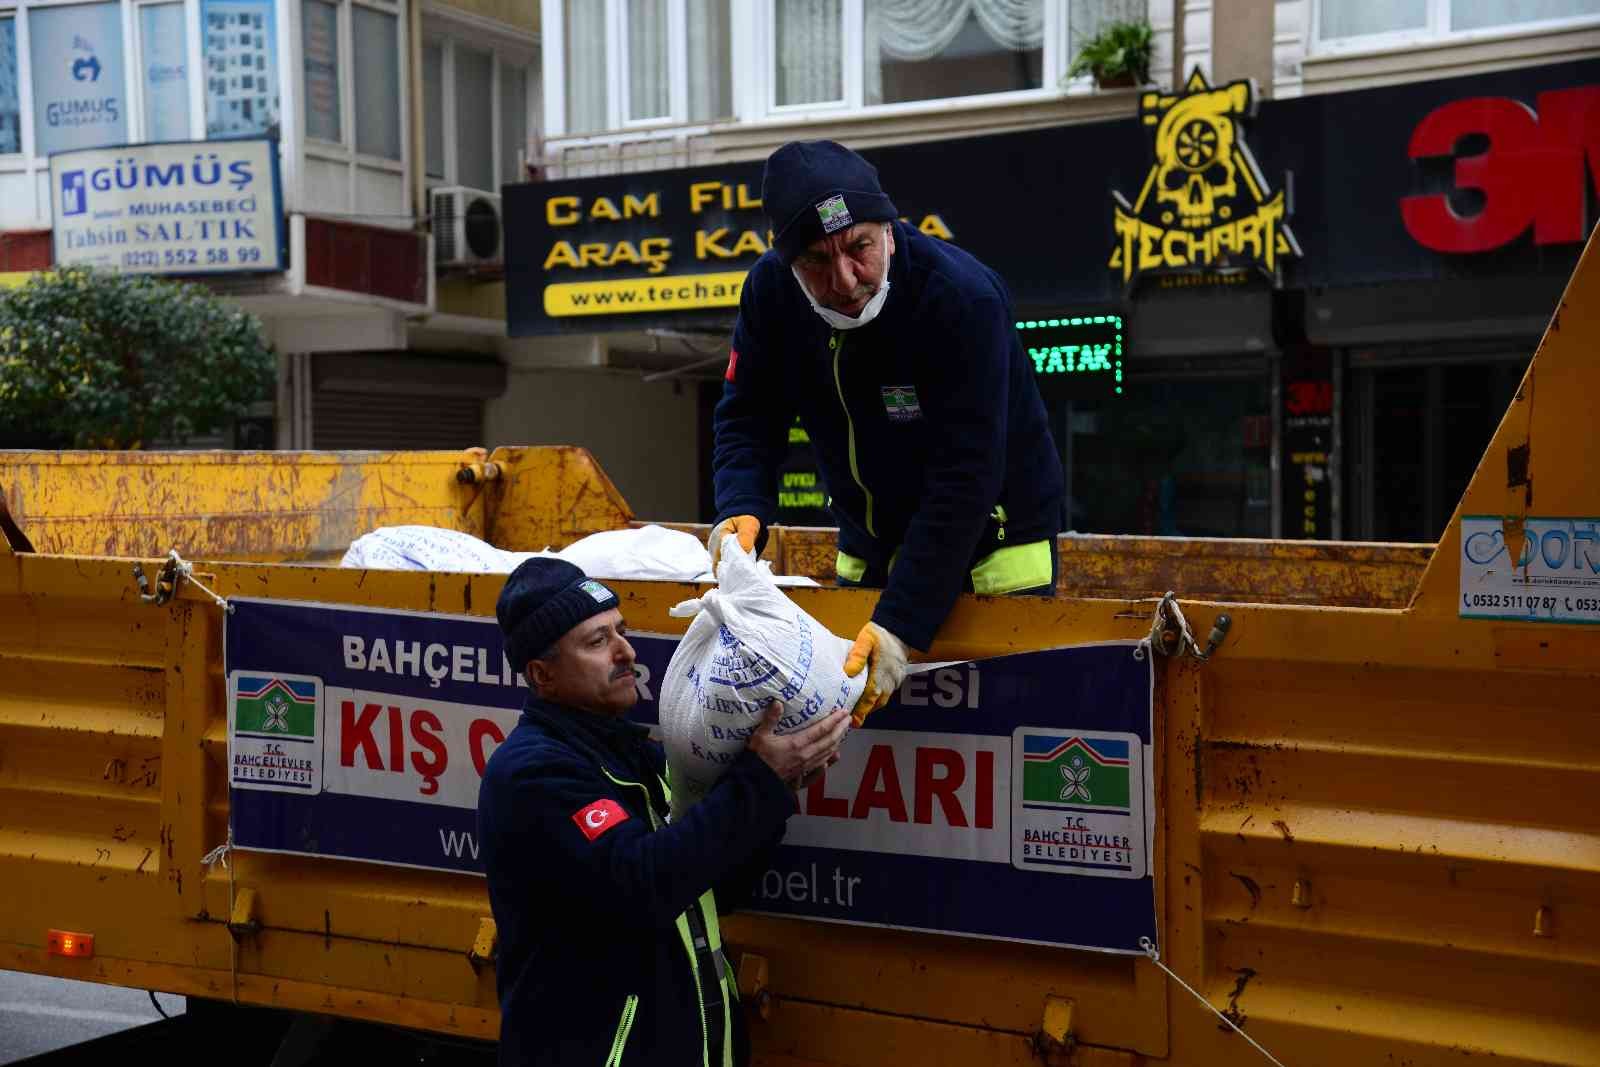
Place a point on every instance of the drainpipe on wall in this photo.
(419, 159)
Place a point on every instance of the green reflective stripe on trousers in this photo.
(629, 1008)
(1006, 570)
(708, 912)
(850, 568)
(836, 342)
(699, 990)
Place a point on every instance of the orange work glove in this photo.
(744, 527)
(884, 655)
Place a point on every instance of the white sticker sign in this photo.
(1549, 571)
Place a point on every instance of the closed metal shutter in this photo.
(401, 401)
(393, 422)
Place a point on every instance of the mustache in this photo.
(623, 672)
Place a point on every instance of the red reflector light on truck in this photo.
(69, 943)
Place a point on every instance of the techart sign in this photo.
(1205, 205)
(200, 207)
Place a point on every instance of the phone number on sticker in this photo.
(192, 257)
(1517, 601)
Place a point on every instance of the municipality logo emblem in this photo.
(900, 403)
(1068, 771)
(834, 215)
(274, 708)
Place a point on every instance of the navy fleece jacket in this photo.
(924, 422)
(587, 918)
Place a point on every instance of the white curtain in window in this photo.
(1086, 18)
(1358, 18)
(810, 56)
(913, 30)
(710, 61)
(585, 33)
(649, 89)
(1484, 14)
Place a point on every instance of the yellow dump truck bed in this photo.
(1376, 836)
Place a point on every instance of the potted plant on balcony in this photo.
(1118, 56)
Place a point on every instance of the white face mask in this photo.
(841, 321)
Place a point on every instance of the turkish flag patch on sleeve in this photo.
(733, 364)
(595, 819)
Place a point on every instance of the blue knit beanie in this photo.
(811, 189)
(543, 599)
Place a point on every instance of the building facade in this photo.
(1302, 321)
(345, 93)
(1306, 324)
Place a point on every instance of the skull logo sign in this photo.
(1205, 205)
(1194, 150)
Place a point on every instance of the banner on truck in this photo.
(1008, 798)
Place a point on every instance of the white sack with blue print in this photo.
(747, 646)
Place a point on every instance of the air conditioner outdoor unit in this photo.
(466, 227)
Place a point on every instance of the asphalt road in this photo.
(38, 1014)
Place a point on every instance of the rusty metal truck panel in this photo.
(1377, 841)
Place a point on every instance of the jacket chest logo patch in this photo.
(900, 403)
(595, 819)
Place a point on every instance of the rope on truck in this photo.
(1170, 632)
(1155, 958)
(176, 569)
(220, 855)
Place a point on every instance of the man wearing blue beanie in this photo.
(900, 355)
(609, 950)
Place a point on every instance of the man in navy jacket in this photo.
(900, 354)
(609, 949)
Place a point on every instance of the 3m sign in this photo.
(1534, 170)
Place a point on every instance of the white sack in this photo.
(748, 644)
(428, 548)
(648, 552)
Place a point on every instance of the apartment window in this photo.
(234, 47)
(910, 51)
(319, 46)
(855, 53)
(10, 97)
(645, 62)
(351, 63)
(914, 53)
(808, 59)
(376, 46)
(484, 89)
(1342, 24)
(71, 47)
(474, 105)
(433, 110)
(164, 74)
(513, 122)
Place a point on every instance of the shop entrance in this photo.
(1416, 431)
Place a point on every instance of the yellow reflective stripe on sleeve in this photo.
(1005, 570)
(850, 568)
(630, 1008)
